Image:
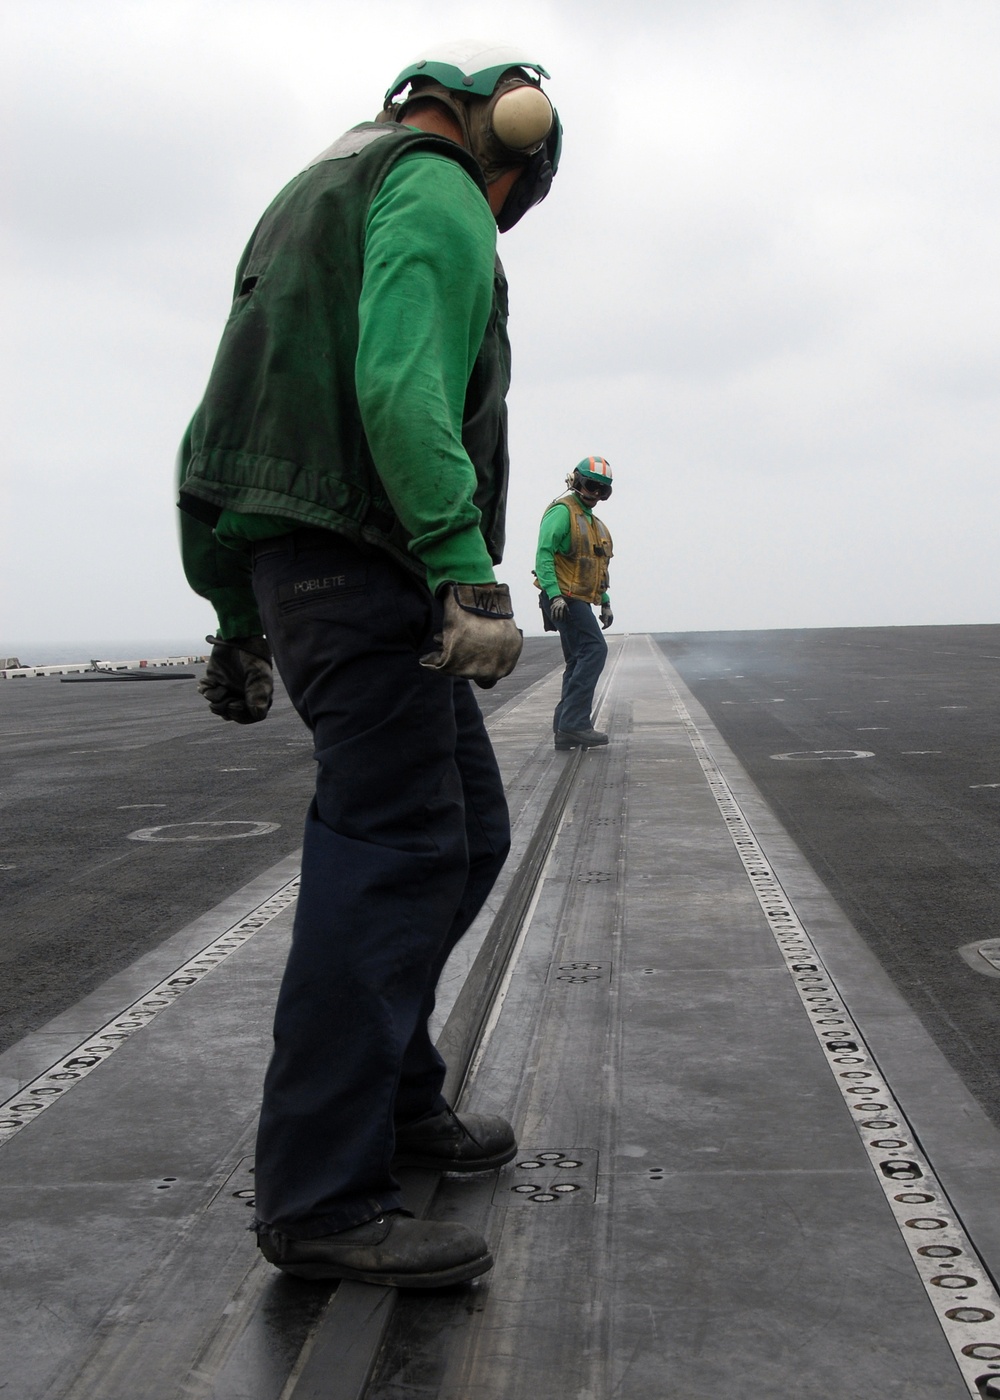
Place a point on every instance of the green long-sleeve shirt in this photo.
(555, 537)
(429, 255)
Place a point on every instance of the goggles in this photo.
(600, 489)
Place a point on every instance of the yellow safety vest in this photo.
(583, 572)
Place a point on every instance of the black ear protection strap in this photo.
(535, 183)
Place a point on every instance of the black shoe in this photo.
(476, 1142)
(394, 1250)
(580, 738)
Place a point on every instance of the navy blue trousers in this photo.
(404, 839)
(584, 651)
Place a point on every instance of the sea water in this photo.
(87, 649)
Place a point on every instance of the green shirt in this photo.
(555, 537)
(430, 247)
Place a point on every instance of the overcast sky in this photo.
(765, 286)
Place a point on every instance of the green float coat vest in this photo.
(279, 432)
(583, 572)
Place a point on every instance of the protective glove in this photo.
(238, 682)
(558, 607)
(607, 616)
(481, 640)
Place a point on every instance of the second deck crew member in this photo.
(571, 567)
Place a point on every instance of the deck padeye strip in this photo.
(48, 1088)
(957, 1282)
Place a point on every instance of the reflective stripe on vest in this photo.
(583, 573)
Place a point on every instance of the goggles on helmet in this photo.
(593, 487)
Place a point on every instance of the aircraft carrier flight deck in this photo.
(737, 989)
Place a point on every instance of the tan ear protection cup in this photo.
(522, 118)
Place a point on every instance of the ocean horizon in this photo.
(59, 653)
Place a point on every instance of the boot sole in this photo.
(439, 1278)
(450, 1164)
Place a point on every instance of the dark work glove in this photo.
(238, 682)
(607, 616)
(558, 607)
(481, 640)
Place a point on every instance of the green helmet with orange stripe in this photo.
(592, 475)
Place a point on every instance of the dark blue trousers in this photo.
(584, 651)
(404, 839)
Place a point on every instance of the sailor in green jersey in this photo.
(342, 489)
(426, 299)
(571, 569)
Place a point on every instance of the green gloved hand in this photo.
(481, 641)
(558, 607)
(607, 616)
(238, 682)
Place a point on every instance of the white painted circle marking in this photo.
(987, 952)
(153, 833)
(826, 755)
